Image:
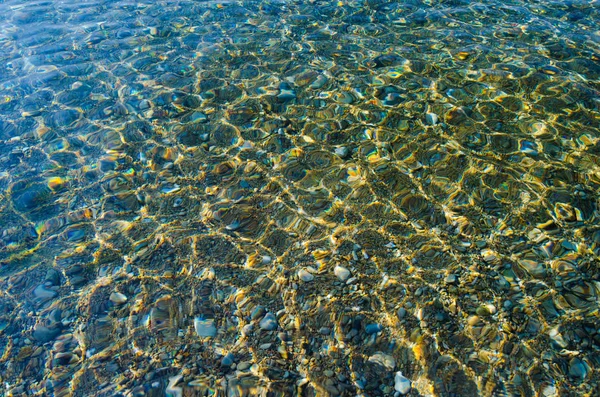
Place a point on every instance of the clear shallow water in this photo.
(299, 198)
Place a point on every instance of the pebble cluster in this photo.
(309, 198)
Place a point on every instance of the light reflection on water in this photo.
(299, 198)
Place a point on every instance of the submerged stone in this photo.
(269, 322)
(401, 383)
(205, 328)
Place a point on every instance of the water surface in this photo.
(299, 198)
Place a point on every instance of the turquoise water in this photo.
(308, 198)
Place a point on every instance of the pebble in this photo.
(247, 329)
(118, 298)
(401, 383)
(431, 118)
(324, 331)
(305, 275)
(198, 117)
(257, 313)
(328, 373)
(53, 277)
(557, 337)
(205, 328)
(342, 152)
(577, 368)
(373, 328)
(401, 313)
(269, 322)
(244, 365)
(341, 272)
(45, 334)
(144, 104)
(450, 279)
(385, 360)
(228, 360)
(486, 310)
(42, 294)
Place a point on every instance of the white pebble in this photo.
(118, 298)
(341, 272)
(305, 276)
(402, 384)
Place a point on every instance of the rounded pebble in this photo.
(341, 272)
(305, 275)
(269, 322)
(118, 298)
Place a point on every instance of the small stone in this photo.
(534, 268)
(578, 368)
(431, 118)
(373, 328)
(244, 365)
(77, 280)
(42, 294)
(557, 338)
(228, 360)
(342, 152)
(450, 279)
(269, 322)
(45, 334)
(198, 117)
(341, 272)
(401, 383)
(490, 256)
(385, 360)
(324, 331)
(258, 312)
(401, 313)
(486, 310)
(205, 328)
(305, 275)
(266, 259)
(144, 104)
(118, 298)
(53, 277)
(328, 373)
(247, 329)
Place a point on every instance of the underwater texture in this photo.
(300, 198)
